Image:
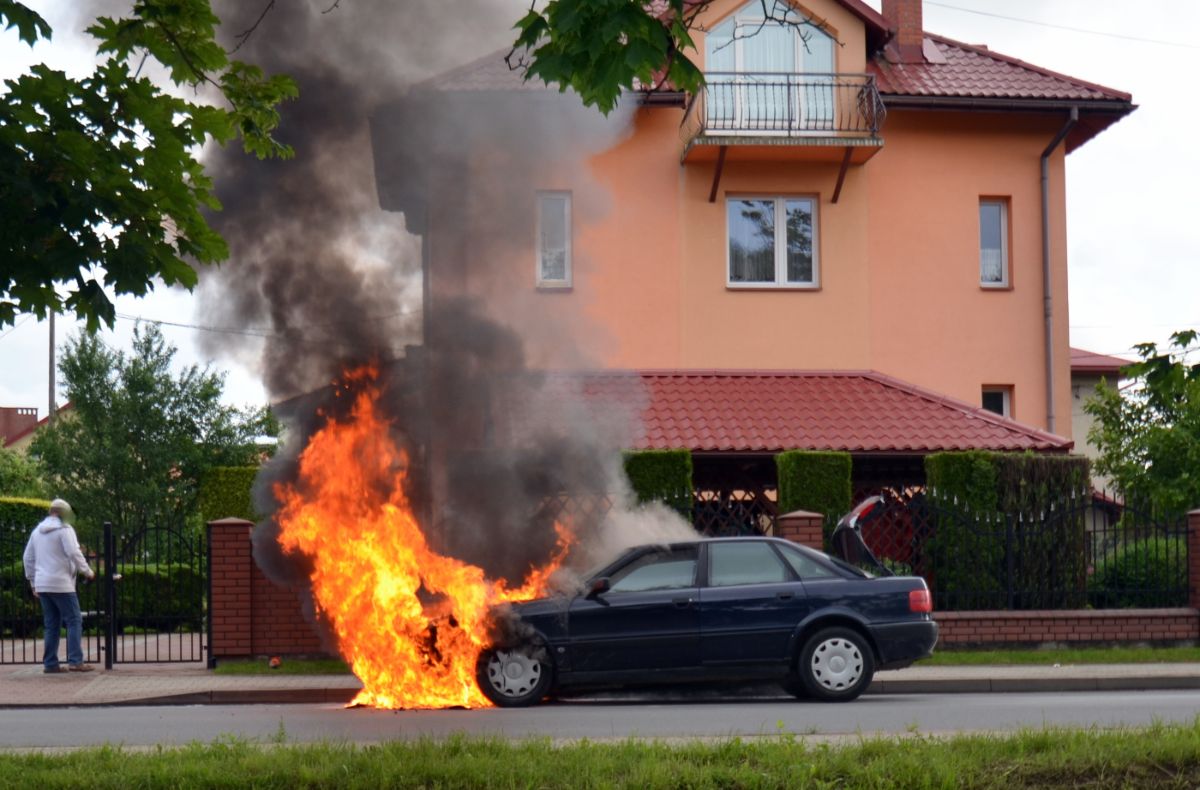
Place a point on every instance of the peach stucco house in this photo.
(848, 194)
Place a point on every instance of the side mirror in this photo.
(598, 586)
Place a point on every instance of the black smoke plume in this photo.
(332, 280)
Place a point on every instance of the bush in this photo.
(22, 512)
(818, 482)
(662, 476)
(1004, 519)
(1142, 573)
(161, 598)
(225, 491)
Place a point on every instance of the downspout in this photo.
(1047, 288)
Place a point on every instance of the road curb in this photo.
(1034, 685)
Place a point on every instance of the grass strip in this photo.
(1161, 756)
(287, 666)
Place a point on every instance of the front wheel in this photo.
(513, 677)
(836, 665)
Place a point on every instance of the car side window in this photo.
(805, 566)
(744, 563)
(657, 570)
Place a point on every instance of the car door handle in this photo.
(681, 603)
(784, 596)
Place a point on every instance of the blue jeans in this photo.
(59, 609)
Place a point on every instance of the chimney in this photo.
(15, 420)
(904, 19)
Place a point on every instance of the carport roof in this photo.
(765, 411)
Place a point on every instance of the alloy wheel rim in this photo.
(837, 664)
(513, 674)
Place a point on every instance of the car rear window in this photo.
(805, 566)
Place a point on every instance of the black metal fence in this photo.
(147, 604)
(1090, 552)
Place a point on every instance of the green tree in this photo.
(20, 476)
(600, 48)
(1148, 434)
(138, 439)
(100, 188)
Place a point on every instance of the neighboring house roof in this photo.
(729, 411)
(26, 436)
(1088, 362)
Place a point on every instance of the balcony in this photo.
(777, 116)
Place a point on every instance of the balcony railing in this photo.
(784, 105)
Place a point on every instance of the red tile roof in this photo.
(731, 411)
(977, 72)
(9, 441)
(1091, 362)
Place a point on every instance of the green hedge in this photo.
(22, 511)
(1145, 573)
(661, 476)
(161, 598)
(225, 492)
(818, 482)
(975, 496)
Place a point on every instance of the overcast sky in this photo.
(1134, 239)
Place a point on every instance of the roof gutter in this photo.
(1047, 287)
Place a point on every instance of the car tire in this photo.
(836, 665)
(514, 677)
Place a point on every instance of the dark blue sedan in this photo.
(723, 609)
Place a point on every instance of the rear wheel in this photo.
(513, 677)
(836, 665)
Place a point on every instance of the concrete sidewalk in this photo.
(23, 686)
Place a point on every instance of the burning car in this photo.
(720, 609)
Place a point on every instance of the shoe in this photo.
(53, 670)
(80, 667)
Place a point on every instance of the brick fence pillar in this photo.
(1194, 559)
(802, 527)
(230, 601)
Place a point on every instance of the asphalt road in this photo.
(877, 714)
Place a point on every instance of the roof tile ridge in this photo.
(975, 411)
(1112, 93)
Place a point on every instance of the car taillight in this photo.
(920, 601)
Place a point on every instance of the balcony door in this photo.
(766, 76)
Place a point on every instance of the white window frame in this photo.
(1004, 258)
(539, 272)
(1005, 392)
(781, 281)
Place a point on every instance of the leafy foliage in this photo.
(818, 482)
(662, 476)
(1150, 572)
(599, 47)
(24, 512)
(100, 188)
(1007, 523)
(138, 441)
(1148, 435)
(225, 492)
(20, 476)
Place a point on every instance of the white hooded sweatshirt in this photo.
(52, 557)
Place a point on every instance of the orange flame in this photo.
(410, 622)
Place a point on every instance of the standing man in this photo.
(52, 560)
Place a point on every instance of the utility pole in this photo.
(50, 413)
